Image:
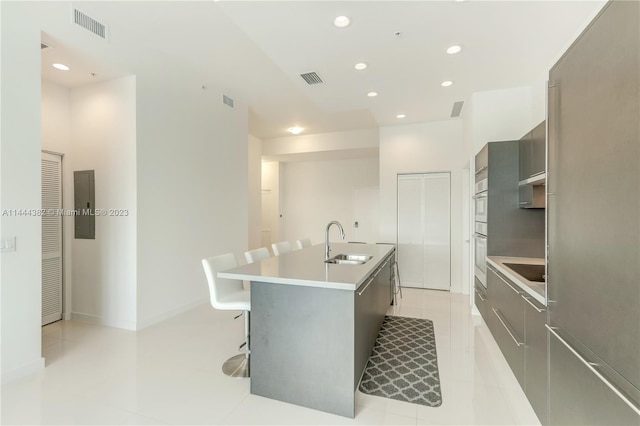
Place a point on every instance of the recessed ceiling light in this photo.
(360, 66)
(61, 67)
(295, 130)
(454, 49)
(446, 83)
(400, 116)
(372, 94)
(341, 21)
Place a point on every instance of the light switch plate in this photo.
(8, 244)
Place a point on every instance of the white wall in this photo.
(421, 148)
(20, 182)
(322, 142)
(255, 192)
(103, 131)
(501, 115)
(317, 192)
(192, 187)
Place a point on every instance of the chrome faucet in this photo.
(326, 237)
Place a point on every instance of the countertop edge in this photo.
(290, 281)
(353, 285)
(496, 261)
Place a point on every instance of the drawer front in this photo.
(535, 358)
(506, 322)
(578, 397)
(510, 344)
(480, 298)
(510, 303)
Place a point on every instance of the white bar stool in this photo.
(305, 242)
(281, 248)
(257, 254)
(229, 295)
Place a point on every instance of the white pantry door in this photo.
(51, 238)
(424, 230)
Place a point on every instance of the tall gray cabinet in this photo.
(593, 186)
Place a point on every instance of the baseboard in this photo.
(94, 319)
(91, 319)
(170, 313)
(25, 370)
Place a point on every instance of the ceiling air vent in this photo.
(311, 78)
(227, 100)
(457, 109)
(44, 46)
(90, 24)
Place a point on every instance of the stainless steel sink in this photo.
(349, 259)
(533, 273)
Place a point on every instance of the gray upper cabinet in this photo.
(525, 156)
(482, 164)
(533, 152)
(538, 150)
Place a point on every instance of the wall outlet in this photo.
(8, 244)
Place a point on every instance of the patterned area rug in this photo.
(403, 364)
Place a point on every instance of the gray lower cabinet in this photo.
(310, 345)
(480, 298)
(578, 397)
(372, 300)
(517, 322)
(535, 357)
(507, 326)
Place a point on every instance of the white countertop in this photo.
(306, 267)
(536, 290)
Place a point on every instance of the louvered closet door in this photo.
(51, 238)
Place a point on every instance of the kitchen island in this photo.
(313, 324)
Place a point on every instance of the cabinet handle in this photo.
(366, 286)
(525, 203)
(506, 327)
(528, 300)
(479, 293)
(481, 169)
(592, 367)
(504, 281)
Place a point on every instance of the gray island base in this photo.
(313, 324)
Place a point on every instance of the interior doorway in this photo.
(51, 237)
(424, 230)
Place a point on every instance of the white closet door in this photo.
(51, 238)
(410, 222)
(437, 231)
(424, 242)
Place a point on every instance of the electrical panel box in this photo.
(84, 204)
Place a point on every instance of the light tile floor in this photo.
(170, 374)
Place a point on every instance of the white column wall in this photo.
(20, 181)
(192, 188)
(103, 132)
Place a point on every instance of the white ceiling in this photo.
(256, 50)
